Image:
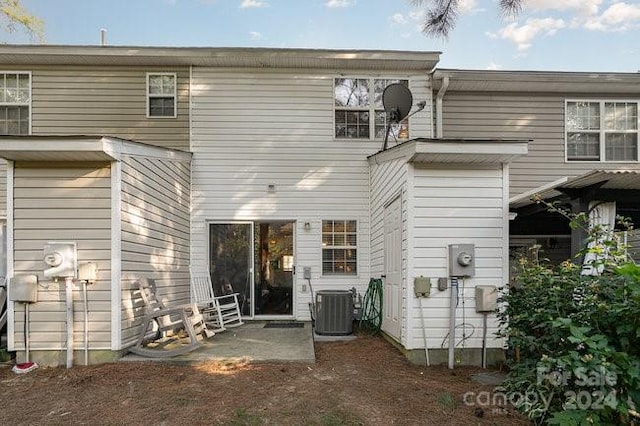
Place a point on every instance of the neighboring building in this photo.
(583, 153)
(254, 163)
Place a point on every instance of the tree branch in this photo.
(442, 15)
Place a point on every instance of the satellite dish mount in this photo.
(397, 101)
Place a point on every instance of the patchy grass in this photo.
(365, 381)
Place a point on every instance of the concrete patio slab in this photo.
(250, 342)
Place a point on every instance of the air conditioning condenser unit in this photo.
(334, 312)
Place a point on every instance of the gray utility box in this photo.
(334, 312)
(23, 288)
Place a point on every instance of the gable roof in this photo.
(373, 60)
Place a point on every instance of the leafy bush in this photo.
(575, 338)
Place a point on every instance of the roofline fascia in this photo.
(184, 55)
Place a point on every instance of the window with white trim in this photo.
(605, 130)
(339, 247)
(359, 113)
(15, 103)
(161, 95)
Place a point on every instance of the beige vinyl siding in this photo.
(3, 188)
(538, 117)
(252, 129)
(155, 233)
(105, 101)
(63, 202)
(454, 205)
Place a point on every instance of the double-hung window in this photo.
(602, 130)
(161, 95)
(358, 109)
(339, 247)
(15, 103)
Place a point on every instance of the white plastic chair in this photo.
(220, 312)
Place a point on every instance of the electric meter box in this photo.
(462, 260)
(486, 298)
(60, 260)
(24, 288)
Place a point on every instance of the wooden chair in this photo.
(162, 331)
(220, 312)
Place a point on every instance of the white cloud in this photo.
(398, 18)
(339, 3)
(417, 15)
(467, 7)
(248, 4)
(413, 18)
(582, 7)
(255, 35)
(523, 35)
(493, 66)
(618, 17)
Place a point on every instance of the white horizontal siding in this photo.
(3, 188)
(154, 233)
(253, 129)
(110, 101)
(388, 181)
(454, 205)
(68, 202)
(535, 117)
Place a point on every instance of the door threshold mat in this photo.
(284, 325)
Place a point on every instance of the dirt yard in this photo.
(362, 382)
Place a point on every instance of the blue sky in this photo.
(562, 35)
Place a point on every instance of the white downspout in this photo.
(439, 97)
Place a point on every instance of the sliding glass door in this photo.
(255, 260)
(231, 261)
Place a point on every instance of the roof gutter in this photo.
(439, 97)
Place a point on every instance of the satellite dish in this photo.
(397, 101)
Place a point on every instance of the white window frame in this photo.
(174, 95)
(339, 247)
(602, 132)
(371, 107)
(27, 104)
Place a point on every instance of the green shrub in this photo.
(575, 339)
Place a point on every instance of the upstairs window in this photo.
(359, 113)
(161, 95)
(15, 103)
(602, 130)
(339, 247)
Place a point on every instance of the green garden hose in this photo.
(371, 316)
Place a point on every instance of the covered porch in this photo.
(616, 191)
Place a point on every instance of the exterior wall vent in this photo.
(334, 312)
